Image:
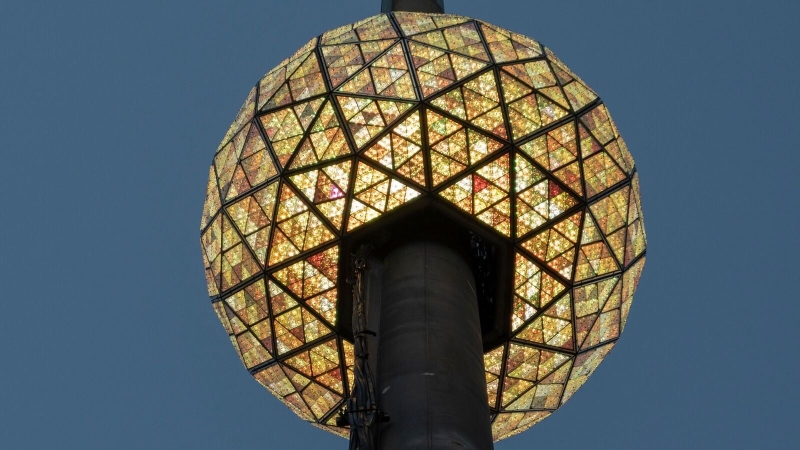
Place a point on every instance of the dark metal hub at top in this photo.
(423, 6)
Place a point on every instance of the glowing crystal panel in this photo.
(546, 395)
(387, 76)
(311, 276)
(555, 149)
(245, 114)
(437, 69)
(478, 102)
(493, 365)
(326, 188)
(532, 112)
(509, 424)
(256, 164)
(227, 258)
(325, 141)
(252, 216)
(307, 80)
(376, 193)
(298, 228)
(533, 288)
(590, 300)
(601, 173)
(285, 127)
(525, 366)
(585, 365)
(462, 39)
(401, 150)
(350, 361)
(325, 305)
(454, 148)
(618, 150)
(537, 75)
(253, 342)
(556, 246)
(594, 257)
(293, 323)
(286, 389)
(598, 121)
(370, 29)
(274, 90)
(611, 213)
(630, 281)
(553, 327)
(509, 46)
(321, 364)
(538, 201)
(250, 303)
(225, 162)
(344, 60)
(413, 23)
(367, 118)
(578, 93)
(637, 238)
(321, 400)
(213, 202)
(484, 194)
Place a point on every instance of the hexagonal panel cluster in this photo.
(376, 114)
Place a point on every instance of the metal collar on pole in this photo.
(425, 6)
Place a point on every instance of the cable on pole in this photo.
(361, 413)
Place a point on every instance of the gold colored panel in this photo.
(401, 150)
(245, 114)
(556, 246)
(285, 127)
(509, 46)
(344, 60)
(553, 327)
(413, 23)
(375, 194)
(510, 424)
(311, 276)
(279, 384)
(585, 365)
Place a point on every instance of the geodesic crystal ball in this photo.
(372, 116)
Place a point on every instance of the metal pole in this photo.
(425, 6)
(430, 377)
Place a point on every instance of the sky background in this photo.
(111, 112)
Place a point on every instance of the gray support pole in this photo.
(425, 6)
(430, 358)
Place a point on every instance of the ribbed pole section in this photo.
(425, 6)
(430, 358)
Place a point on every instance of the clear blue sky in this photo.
(111, 112)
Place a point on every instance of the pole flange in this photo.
(423, 6)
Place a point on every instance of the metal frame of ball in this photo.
(430, 214)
